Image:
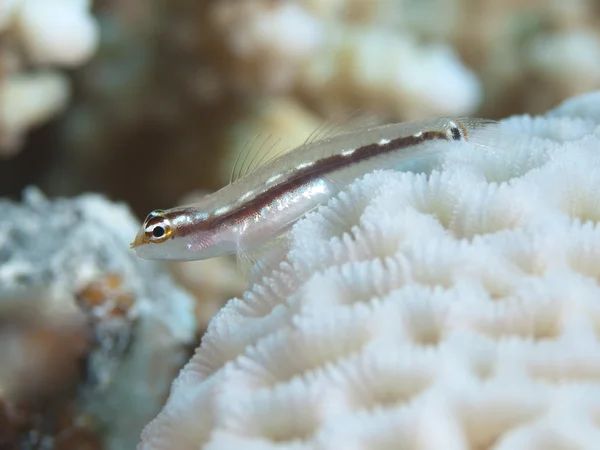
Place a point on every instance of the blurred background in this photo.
(147, 103)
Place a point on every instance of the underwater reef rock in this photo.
(91, 335)
(450, 310)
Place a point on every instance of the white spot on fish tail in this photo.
(384, 141)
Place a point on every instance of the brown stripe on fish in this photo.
(317, 169)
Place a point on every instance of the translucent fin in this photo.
(257, 263)
(482, 133)
(351, 122)
(474, 124)
(253, 156)
(234, 170)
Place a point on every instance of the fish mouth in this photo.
(140, 239)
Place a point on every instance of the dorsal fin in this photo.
(253, 156)
(353, 121)
(234, 172)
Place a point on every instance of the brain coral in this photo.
(454, 310)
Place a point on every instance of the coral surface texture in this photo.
(455, 309)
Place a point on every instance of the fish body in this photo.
(264, 203)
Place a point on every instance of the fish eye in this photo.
(158, 231)
(157, 227)
(456, 134)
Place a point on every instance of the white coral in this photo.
(391, 73)
(39, 34)
(567, 58)
(27, 101)
(337, 62)
(267, 41)
(446, 311)
(57, 32)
